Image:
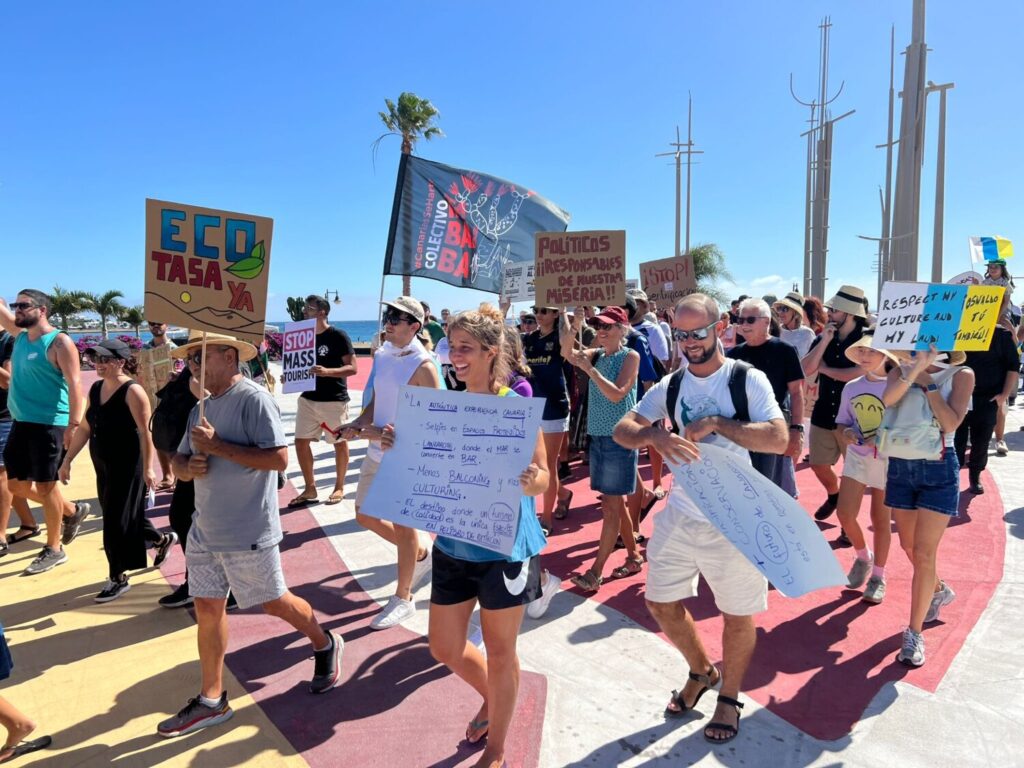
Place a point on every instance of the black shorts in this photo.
(496, 584)
(34, 452)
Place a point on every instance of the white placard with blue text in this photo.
(761, 520)
(454, 469)
(298, 356)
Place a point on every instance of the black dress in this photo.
(115, 452)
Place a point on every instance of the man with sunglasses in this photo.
(45, 399)
(400, 360)
(684, 544)
(847, 318)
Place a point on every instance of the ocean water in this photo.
(357, 330)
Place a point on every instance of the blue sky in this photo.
(271, 109)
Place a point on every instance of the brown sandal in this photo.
(628, 568)
(588, 581)
(562, 507)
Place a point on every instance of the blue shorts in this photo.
(924, 484)
(612, 467)
(6, 662)
(5, 431)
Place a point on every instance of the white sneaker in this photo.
(912, 649)
(539, 607)
(1001, 448)
(421, 573)
(395, 612)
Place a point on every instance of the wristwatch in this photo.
(932, 387)
(797, 427)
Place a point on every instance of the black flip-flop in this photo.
(302, 501)
(33, 531)
(26, 747)
(645, 511)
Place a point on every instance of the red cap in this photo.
(609, 316)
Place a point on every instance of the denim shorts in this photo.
(924, 484)
(612, 467)
(5, 432)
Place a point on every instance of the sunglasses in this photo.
(544, 311)
(394, 318)
(748, 320)
(698, 333)
(91, 355)
(23, 305)
(529, 321)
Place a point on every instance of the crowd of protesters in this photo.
(767, 380)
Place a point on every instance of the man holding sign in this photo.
(684, 544)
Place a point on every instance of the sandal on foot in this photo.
(31, 531)
(628, 568)
(734, 729)
(562, 507)
(646, 509)
(677, 696)
(336, 497)
(302, 500)
(164, 485)
(476, 725)
(25, 747)
(588, 581)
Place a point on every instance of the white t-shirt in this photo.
(701, 397)
(655, 339)
(801, 338)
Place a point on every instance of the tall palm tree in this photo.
(106, 305)
(64, 304)
(411, 118)
(135, 317)
(710, 270)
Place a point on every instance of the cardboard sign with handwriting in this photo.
(580, 268)
(668, 280)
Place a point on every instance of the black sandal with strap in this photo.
(725, 726)
(677, 696)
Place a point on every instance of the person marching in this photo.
(612, 370)
(466, 574)
(116, 427)
(857, 423)
(925, 404)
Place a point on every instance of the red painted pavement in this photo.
(821, 658)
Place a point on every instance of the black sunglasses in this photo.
(698, 333)
(23, 305)
(544, 311)
(392, 317)
(748, 320)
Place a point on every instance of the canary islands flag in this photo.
(990, 248)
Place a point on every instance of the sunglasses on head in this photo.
(393, 317)
(23, 305)
(698, 333)
(544, 311)
(748, 320)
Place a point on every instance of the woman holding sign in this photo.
(465, 574)
(925, 404)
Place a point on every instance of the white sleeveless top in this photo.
(392, 367)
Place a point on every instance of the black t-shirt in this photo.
(830, 390)
(6, 349)
(991, 366)
(544, 356)
(777, 360)
(331, 346)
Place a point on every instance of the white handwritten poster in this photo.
(761, 520)
(517, 284)
(454, 469)
(298, 356)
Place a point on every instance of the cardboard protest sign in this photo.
(952, 317)
(668, 280)
(155, 369)
(454, 469)
(298, 356)
(517, 284)
(207, 269)
(766, 524)
(580, 268)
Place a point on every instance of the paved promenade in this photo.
(823, 688)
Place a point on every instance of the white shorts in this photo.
(254, 577)
(681, 549)
(867, 470)
(311, 413)
(367, 471)
(554, 426)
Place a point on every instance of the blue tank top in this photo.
(529, 539)
(38, 392)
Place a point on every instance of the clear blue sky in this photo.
(271, 108)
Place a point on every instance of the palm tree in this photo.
(64, 304)
(106, 305)
(411, 118)
(135, 317)
(710, 270)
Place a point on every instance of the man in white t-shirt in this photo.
(684, 544)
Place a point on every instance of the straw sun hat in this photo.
(246, 351)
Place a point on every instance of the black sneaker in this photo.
(976, 486)
(168, 541)
(196, 715)
(113, 590)
(825, 510)
(69, 525)
(327, 666)
(179, 598)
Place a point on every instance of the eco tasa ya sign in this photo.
(207, 269)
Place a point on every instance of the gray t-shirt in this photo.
(236, 507)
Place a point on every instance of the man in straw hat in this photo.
(847, 318)
(234, 454)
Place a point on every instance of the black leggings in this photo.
(183, 505)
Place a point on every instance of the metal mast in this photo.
(678, 153)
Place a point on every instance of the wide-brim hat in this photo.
(851, 300)
(853, 351)
(246, 351)
(956, 357)
(792, 300)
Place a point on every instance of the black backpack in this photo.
(737, 391)
(170, 417)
